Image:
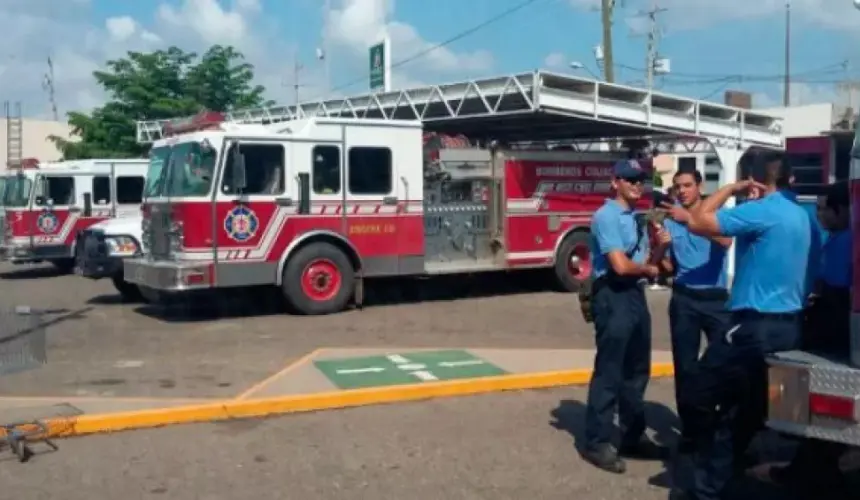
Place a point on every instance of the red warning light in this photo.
(25, 163)
(205, 120)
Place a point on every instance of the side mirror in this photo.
(240, 180)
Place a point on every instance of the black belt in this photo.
(746, 314)
(713, 293)
(617, 283)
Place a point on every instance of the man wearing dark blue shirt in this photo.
(622, 322)
(700, 287)
(727, 397)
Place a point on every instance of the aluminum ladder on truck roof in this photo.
(519, 106)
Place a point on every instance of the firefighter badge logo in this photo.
(241, 224)
(47, 223)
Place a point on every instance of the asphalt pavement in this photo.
(502, 446)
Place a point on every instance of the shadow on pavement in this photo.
(378, 292)
(569, 417)
(31, 273)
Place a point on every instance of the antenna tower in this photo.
(48, 85)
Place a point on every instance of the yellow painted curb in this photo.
(255, 408)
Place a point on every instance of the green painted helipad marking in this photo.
(407, 368)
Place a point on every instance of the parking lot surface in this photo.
(513, 446)
(98, 346)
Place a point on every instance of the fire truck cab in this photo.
(47, 204)
(316, 199)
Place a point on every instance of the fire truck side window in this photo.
(325, 171)
(129, 190)
(101, 190)
(264, 169)
(370, 171)
(61, 190)
(808, 170)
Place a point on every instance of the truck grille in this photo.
(159, 241)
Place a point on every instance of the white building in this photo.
(35, 141)
(799, 121)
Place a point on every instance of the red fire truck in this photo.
(318, 201)
(47, 204)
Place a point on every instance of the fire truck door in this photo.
(373, 194)
(322, 166)
(249, 217)
(54, 209)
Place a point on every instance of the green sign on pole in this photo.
(378, 66)
(407, 368)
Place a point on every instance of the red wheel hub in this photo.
(579, 262)
(321, 280)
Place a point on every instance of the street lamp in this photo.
(576, 65)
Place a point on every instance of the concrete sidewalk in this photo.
(328, 379)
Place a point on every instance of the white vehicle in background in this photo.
(104, 246)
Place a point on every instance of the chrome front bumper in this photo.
(168, 276)
(22, 254)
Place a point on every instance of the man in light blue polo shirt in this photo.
(727, 396)
(700, 287)
(622, 323)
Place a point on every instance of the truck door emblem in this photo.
(47, 222)
(241, 224)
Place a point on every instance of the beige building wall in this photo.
(35, 142)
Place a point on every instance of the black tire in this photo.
(128, 291)
(333, 265)
(572, 244)
(65, 266)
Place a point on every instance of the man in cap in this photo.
(622, 322)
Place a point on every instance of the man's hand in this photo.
(652, 271)
(677, 213)
(663, 238)
(753, 189)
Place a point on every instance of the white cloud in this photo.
(357, 24)
(692, 14)
(66, 31)
(555, 60)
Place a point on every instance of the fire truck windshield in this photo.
(17, 191)
(183, 169)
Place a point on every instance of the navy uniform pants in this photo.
(622, 364)
(725, 400)
(693, 312)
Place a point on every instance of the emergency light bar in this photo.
(25, 163)
(205, 120)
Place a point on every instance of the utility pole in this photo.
(607, 9)
(654, 33)
(786, 99)
(48, 86)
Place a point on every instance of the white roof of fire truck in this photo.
(533, 106)
(32, 166)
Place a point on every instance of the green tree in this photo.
(158, 85)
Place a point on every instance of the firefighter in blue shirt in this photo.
(700, 286)
(726, 399)
(621, 266)
(827, 329)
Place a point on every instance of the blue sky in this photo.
(708, 41)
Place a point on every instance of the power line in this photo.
(459, 36)
(830, 68)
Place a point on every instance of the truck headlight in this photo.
(121, 246)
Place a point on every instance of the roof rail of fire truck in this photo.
(536, 105)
